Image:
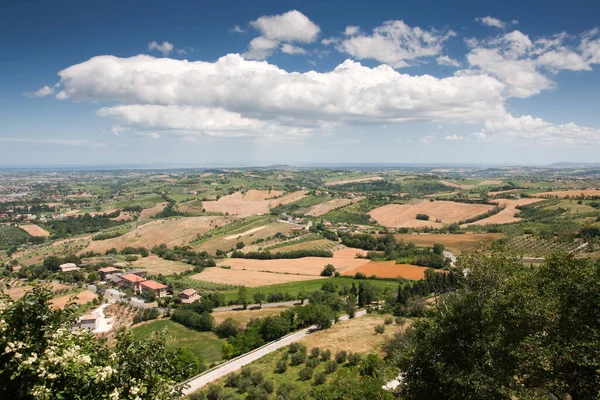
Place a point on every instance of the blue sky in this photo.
(102, 83)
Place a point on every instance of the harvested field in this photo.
(35, 230)
(18, 289)
(570, 193)
(373, 178)
(389, 269)
(491, 182)
(148, 213)
(248, 278)
(457, 243)
(124, 216)
(324, 208)
(173, 232)
(254, 195)
(236, 204)
(507, 215)
(156, 265)
(80, 298)
(343, 335)
(244, 316)
(455, 185)
(348, 252)
(307, 266)
(404, 215)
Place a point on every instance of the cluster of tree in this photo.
(185, 254)
(11, 237)
(108, 235)
(530, 212)
(487, 214)
(53, 263)
(507, 332)
(422, 217)
(146, 315)
(389, 248)
(81, 224)
(136, 208)
(44, 358)
(410, 298)
(203, 322)
(348, 217)
(264, 330)
(267, 255)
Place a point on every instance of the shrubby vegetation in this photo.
(81, 224)
(43, 358)
(508, 332)
(267, 255)
(184, 254)
(388, 248)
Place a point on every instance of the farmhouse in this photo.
(88, 322)
(297, 228)
(132, 282)
(189, 296)
(68, 267)
(107, 272)
(158, 289)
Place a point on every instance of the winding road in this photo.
(234, 364)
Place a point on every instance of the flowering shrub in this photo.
(41, 357)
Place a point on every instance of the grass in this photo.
(293, 288)
(205, 345)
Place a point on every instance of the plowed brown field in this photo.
(254, 195)
(389, 269)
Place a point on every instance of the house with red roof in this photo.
(158, 289)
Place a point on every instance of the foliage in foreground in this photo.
(42, 358)
(509, 332)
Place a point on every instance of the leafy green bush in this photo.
(340, 356)
(305, 374)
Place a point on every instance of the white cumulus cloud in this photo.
(447, 61)
(395, 43)
(491, 21)
(165, 48)
(291, 49)
(290, 27)
(453, 137)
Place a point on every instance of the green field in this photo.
(293, 288)
(205, 345)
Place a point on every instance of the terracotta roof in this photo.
(153, 285)
(189, 292)
(108, 269)
(132, 278)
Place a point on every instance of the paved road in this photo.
(237, 363)
(256, 306)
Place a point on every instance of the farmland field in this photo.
(35, 230)
(80, 298)
(324, 208)
(236, 204)
(254, 195)
(173, 232)
(320, 244)
(507, 215)
(404, 215)
(357, 180)
(462, 242)
(305, 266)
(570, 193)
(250, 278)
(389, 269)
(148, 213)
(206, 345)
(293, 288)
(244, 316)
(343, 335)
(156, 265)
